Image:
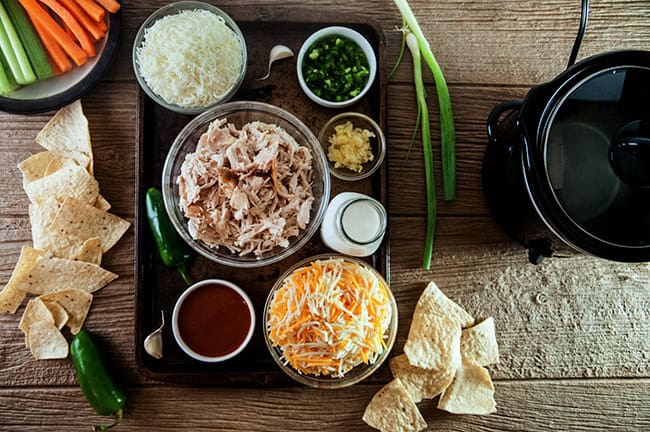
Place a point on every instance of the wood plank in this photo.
(568, 318)
(571, 317)
(489, 42)
(523, 42)
(110, 109)
(472, 106)
(112, 127)
(532, 406)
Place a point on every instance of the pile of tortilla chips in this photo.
(71, 229)
(444, 354)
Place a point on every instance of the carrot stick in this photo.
(93, 27)
(102, 25)
(60, 62)
(92, 9)
(38, 14)
(110, 5)
(68, 31)
(84, 40)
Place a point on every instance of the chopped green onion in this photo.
(447, 130)
(31, 42)
(13, 51)
(421, 98)
(335, 68)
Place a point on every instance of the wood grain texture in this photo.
(111, 112)
(531, 406)
(489, 42)
(472, 106)
(569, 319)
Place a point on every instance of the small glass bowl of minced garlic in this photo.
(354, 145)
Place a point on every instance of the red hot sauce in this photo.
(214, 320)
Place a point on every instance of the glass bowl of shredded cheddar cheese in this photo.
(330, 321)
(354, 144)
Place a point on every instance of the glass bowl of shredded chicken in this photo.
(330, 321)
(245, 184)
(189, 56)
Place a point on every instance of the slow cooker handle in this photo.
(496, 114)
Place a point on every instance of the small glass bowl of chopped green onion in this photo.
(354, 145)
(336, 67)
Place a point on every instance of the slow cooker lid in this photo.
(596, 149)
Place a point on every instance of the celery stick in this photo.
(31, 42)
(7, 84)
(13, 51)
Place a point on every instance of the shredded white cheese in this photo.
(190, 59)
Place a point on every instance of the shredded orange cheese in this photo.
(329, 317)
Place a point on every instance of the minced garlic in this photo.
(350, 147)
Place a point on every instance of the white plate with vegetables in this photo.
(54, 51)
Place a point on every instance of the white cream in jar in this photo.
(354, 224)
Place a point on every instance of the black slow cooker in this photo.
(567, 169)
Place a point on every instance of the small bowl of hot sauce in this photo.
(213, 320)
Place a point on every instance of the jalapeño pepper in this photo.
(102, 393)
(174, 252)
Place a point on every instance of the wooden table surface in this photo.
(574, 334)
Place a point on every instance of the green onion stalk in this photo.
(421, 98)
(447, 130)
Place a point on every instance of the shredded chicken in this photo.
(248, 190)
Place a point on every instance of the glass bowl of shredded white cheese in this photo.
(189, 56)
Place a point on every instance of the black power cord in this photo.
(584, 18)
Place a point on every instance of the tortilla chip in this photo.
(479, 343)
(44, 163)
(68, 131)
(46, 341)
(91, 252)
(11, 295)
(70, 181)
(33, 168)
(471, 392)
(433, 341)
(75, 302)
(433, 298)
(102, 204)
(392, 410)
(35, 311)
(85, 221)
(58, 312)
(57, 164)
(40, 217)
(57, 274)
(59, 244)
(420, 383)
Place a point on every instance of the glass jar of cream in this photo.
(354, 224)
